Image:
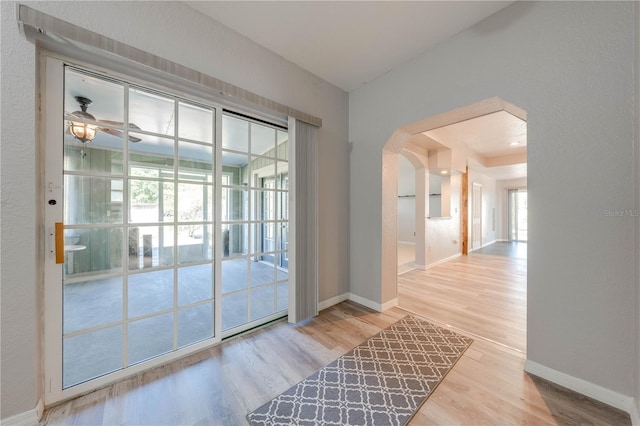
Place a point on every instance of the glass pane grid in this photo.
(74, 333)
(152, 111)
(163, 305)
(238, 187)
(91, 355)
(251, 166)
(98, 174)
(195, 122)
(191, 178)
(142, 133)
(149, 174)
(239, 152)
(166, 235)
(195, 324)
(200, 303)
(154, 314)
(195, 141)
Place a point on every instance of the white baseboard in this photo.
(484, 245)
(390, 304)
(607, 396)
(410, 243)
(333, 301)
(28, 418)
(421, 267)
(379, 307)
(40, 408)
(441, 261)
(635, 413)
(489, 243)
(365, 302)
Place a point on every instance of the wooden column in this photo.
(464, 212)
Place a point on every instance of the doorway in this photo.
(476, 216)
(517, 200)
(502, 148)
(502, 160)
(406, 215)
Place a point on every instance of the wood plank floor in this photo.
(219, 386)
(484, 293)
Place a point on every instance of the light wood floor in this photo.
(484, 293)
(221, 385)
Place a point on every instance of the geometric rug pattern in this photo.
(383, 381)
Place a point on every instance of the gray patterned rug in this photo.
(383, 381)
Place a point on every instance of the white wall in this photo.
(570, 66)
(442, 235)
(406, 205)
(176, 32)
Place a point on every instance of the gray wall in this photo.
(637, 207)
(176, 32)
(570, 66)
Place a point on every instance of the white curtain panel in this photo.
(303, 221)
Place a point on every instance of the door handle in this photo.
(59, 240)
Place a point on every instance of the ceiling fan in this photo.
(85, 132)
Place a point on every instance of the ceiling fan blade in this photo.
(83, 116)
(119, 133)
(120, 123)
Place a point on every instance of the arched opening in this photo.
(459, 186)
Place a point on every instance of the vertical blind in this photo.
(303, 271)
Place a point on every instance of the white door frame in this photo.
(476, 216)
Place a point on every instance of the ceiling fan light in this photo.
(84, 132)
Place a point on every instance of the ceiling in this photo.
(493, 137)
(348, 43)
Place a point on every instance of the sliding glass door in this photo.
(138, 225)
(255, 189)
(518, 215)
(166, 227)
